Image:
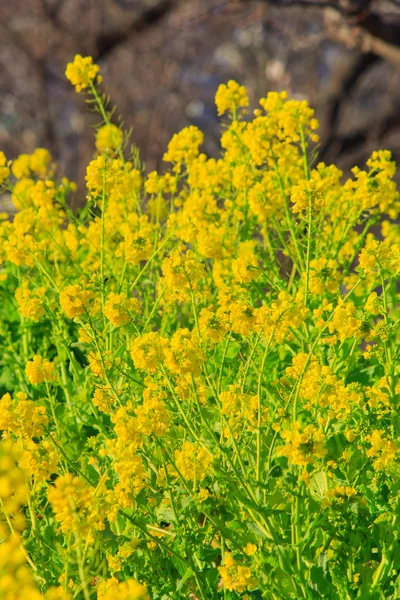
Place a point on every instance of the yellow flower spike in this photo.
(76, 302)
(109, 138)
(21, 166)
(302, 446)
(130, 589)
(193, 461)
(30, 302)
(40, 370)
(147, 351)
(4, 168)
(235, 577)
(230, 97)
(119, 309)
(184, 147)
(250, 549)
(40, 163)
(74, 505)
(82, 71)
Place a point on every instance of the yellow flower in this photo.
(99, 363)
(183, 275)
(23, 417)
(245, 267)
(147, 351)
(324, 276)
(373, 304)
(40, 460)
(344, 322)
(13, 481)
(137, 244)
(250, 549)
(74, 505)
(76, 302)
(4, 169)
(183, 355)
(30, 302)
(240, 408)
(280, 317)
(111, 589)
(193, 461)
(118, 308)
(152, 417)
(339, 495)
(213, 326)
(21, 166)
(302, 446)
(82, 72)
(184, 147)
(157, 184)
(382, 449)
(235, 577)
(40, 162)
(40, 370)
(16, 578)
(202, 495)
(103, 399)
(109, 137)
(230, 97)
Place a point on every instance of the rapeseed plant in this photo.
(200, 376)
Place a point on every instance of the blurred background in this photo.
(162, 61)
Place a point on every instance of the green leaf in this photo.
(318, 485)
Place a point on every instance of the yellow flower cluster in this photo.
(21, 416)
(76, 301)
(40, 370)
(147, 351)
(109, 138)
(193, 461)
(302, 446)
(16, 579)
(240, 408)
(39, 164)
(230, 97)
(73, 503)
(383, 450)
(235, 577)
(199, 366)
(13, 484)
(184, 147)
(30, 303)
(183, 275)
(4, 168)
(126, 590)
(82, 72)
(118, 308)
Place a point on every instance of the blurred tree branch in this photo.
(356, 24)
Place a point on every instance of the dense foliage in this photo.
(200, 390)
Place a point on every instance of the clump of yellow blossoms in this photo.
(76, 301)
(118, 308)
(200, 377)
(236, 577)
(193, 462)
(82, 72)
(39, 370)
(4, 169)
(127, 590)
(230, 97)
(30, 303)
(108, 138)
(73, 505)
